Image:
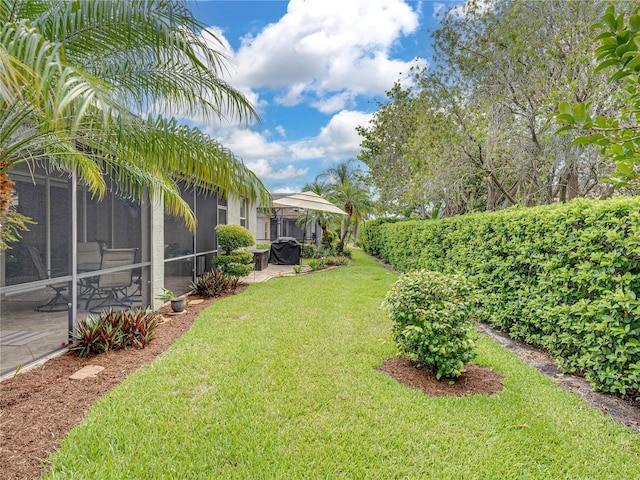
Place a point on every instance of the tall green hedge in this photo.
(564, 277)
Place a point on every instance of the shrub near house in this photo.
(564, 277)
(233, 262)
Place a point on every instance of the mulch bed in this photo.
(477, 380)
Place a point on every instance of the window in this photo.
(243, 213)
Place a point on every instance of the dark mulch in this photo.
(38, 407)
(477, 380)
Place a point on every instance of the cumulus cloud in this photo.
(323, 51)
(339, 137)
(247, 144)
(264, 170)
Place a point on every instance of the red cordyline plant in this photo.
(113, 330)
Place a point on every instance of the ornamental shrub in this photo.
(113, 330)
(214, 283)
(236, 264)
(308, 250)
(432, 320)
(564, 277)
(231, 237)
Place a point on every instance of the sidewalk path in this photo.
(273, 271)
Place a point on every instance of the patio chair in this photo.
(112, 287)
(89, 257)
(59, 302)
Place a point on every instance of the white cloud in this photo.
(287, 190)
(326, 51)
(339, 137)
(473, 7)
(264, 170)
(247, 144)
(281, 131)
(306, 149)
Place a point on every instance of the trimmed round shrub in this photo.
(231, 237)
(236, 264)
(432, 325)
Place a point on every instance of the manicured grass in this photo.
(279, 382)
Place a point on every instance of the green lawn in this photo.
(279, 382)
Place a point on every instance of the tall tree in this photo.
(481, 132)
(74, 77)
(346, 189)
(383, 151)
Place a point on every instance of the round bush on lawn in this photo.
(231, 237)
(432, 325)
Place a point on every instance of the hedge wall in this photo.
(564, 277)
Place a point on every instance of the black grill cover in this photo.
(285, 251)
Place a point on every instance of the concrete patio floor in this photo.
(273, 271)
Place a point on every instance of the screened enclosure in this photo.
(80, 256)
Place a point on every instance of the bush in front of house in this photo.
(233, 262)
(113, 330)
(308, 250)
(236, 264)
(432, 325)
(232, 237)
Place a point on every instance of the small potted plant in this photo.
(178, 304)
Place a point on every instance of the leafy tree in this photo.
(615, 132)
(75, 74)
(479, 134)
(383, 151)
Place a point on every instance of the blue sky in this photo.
(313, 69)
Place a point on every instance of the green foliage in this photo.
(323, 252)
(338, 260)
(231, 237)
(263, 246)
(113, 330)
(563, 277)
(166, 295)
(308, 250)
(83, 113)
(615, 135)
(214, 283)
(318, 263)
(12, 224)
(346, 252)
(236, 264)
(431, 312)
(370, 237)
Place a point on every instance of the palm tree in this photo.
(346, 189)
(75, 77)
